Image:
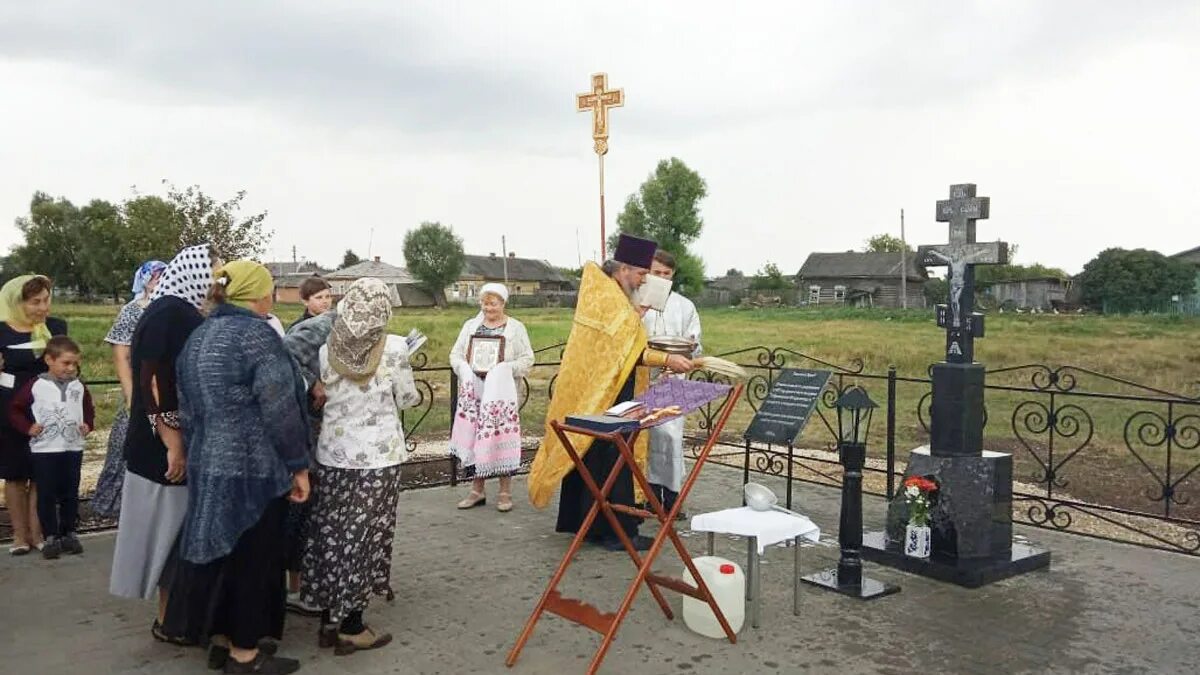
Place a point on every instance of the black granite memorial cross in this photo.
(958, 317)
(971, 519)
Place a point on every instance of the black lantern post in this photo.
(854, 412)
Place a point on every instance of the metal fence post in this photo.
(891, 432)
(453, 411)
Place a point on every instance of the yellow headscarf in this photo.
(12, 308)
(245, 281)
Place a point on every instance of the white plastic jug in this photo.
(728, 586)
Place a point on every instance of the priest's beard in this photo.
(620, 273)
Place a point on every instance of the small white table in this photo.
(762, 529)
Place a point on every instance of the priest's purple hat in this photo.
(635, 251)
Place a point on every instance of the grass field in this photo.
(1162, 352)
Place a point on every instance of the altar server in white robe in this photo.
(678, 319)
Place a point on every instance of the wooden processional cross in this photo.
(599, 100)
(961, 255)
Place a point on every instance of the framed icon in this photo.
(484, 352)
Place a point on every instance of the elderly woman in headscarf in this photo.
(153, 497)
(242, 405)
(107, 499)
(368, 381)
(25, 326)
(486, 435)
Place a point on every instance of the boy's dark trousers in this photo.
(56, 475)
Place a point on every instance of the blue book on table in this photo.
(602, 423)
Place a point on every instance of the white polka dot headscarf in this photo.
(188, 276)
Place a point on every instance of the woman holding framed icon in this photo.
(492, 353)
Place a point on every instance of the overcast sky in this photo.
(813, 123)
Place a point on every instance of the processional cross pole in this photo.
(599, 100)
(961, 255)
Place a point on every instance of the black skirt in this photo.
(575, 500)
(242, 595)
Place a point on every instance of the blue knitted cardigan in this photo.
(242, 407)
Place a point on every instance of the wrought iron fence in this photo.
(1116, 459)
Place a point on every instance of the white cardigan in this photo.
(517, 350)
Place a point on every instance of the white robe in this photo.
(678, 319)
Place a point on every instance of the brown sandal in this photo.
(368, 639)
(472, 500)
(504, 503)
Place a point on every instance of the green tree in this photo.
(1120, 280)
(434, 255)
(106, 261)
(733, 272)
(885, 243)
(152, 229)
(769, 278)
(666, 209)
(350, 258)
(936, 291)
(202, 219)
(54, 239)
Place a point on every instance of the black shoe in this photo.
(264, 665)
(51, 549)
(70, 544)
(156, 631)
(640, 543)
(218, 656)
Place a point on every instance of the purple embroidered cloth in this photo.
(689, 395)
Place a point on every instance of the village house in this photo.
(860, 280)
(288, 276)
(523, 276)
(1191, 303)
(404, 289)
(1034, 293)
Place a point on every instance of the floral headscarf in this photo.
(360, 330)
(144, 274)
(188, 276)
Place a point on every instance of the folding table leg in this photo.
(711, 537)
(756, 608)
(750, 552)
(796, 579)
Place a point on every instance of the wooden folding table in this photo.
(607, 623)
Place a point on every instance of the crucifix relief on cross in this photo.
(960, 256)
(599, 100)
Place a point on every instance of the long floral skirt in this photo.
(107, 499)
(349, 551)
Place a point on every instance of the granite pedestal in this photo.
(971, 523)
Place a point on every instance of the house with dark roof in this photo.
(525, 276)
(288, 276)
(1192, 256)
(860, 279)
(404, 289)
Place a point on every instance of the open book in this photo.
(653, 293)
(415, 340)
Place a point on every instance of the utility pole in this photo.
(903, 265)
(504, 250)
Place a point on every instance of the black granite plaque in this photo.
(788, 405)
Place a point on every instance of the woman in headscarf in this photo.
(154, 498)
(107, 499)
(242, 407)
(25, 325)
(368, 381)
(486, 436)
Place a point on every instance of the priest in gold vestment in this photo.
(606, 361)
